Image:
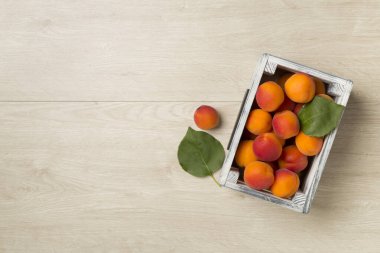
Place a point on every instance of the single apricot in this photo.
(258, 175)
(300, 88)
(286, 105)
(285, 124)
(320, 87)
(297, 108)
(267, 147)
(326, 97)
(206, 117)
(259, 121)
(269, 96)
(244, 153)
(308, 145)
(285, 183)
(292, 159)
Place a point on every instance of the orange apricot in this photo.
(308, 145)
(319, 86)
(286, 105)
(267, 147)
(285, 183)
(326, 97)
(259, 121)
(300, 88)
(285, 124)
(297, 108)
(244, 153)
(206, 117)
(258, 175)
(269, 96)
(292, 159)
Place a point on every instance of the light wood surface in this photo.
(95, 97)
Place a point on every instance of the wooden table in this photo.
(96, 96)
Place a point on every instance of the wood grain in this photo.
(103, 177)
(95, 97)
(175, 50)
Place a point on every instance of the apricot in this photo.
(259, 121)
(319, 86)
(326, 97)
(267, 147)
(285, 124)
(258, 175)
(297, 108)
(292, 159)
(269, 96)
(308, 145)
(300, 88)
(206, 117)
(244, 153)
(282, 80)
(285, 183)
(286, 105)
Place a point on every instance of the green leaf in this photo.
(200, 154)
(320, 116)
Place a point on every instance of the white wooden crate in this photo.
(272, 66)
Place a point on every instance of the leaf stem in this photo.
(211, 174)
(216, 181)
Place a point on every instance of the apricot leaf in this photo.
(200, 154)
(320, 116)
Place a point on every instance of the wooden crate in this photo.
(270, 68)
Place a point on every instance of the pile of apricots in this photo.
(275, 151)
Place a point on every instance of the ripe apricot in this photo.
(285, 124)
(319, 86)
(258, 175)
(308, 145)
(267, 147)
(297, 108)
(244, 153)
(326, 97)
(300, 88)
(285, 183)
(292, 159)
(286, 105)
(206, 117)
(259, 121)
(269, 96)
